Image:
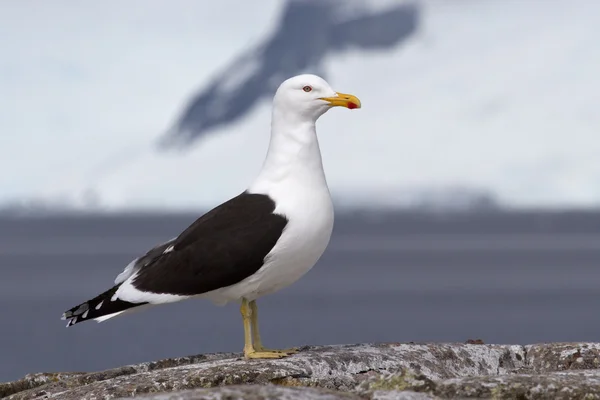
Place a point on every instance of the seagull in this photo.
(254, 244)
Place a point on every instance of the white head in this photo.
(307, 97)
(294, 149)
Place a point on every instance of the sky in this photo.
(493, 95)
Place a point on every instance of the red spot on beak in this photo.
(352, 105)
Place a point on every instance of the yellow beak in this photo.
(343, 100)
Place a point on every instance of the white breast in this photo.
(305, 238)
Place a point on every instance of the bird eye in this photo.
(307, 89)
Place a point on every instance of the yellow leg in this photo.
(249, 350)
(257, 342)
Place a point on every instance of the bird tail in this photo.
(100, 308)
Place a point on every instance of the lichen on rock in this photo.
(362, 371)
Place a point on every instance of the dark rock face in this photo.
(365, 371)
(307, 32)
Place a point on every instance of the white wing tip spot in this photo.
(169, 249)
(99, 305)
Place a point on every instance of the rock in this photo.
(554, 385)
(563, 356)
(31, 381)
(255, 392)
(364, 371)
(400, 395)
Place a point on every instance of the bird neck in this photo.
(293, 154)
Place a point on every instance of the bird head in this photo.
(310, 96)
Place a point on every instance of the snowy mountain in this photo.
(496, 96)
(304, 35)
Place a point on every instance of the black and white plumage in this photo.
(254, 244)
(221, 248)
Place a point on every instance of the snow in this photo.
(490, 94)
(501, 95)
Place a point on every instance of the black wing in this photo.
(221, 248)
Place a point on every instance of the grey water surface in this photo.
(502, 277)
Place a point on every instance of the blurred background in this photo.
(467, 188)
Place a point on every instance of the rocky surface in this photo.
(365, 371)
